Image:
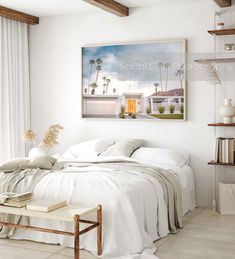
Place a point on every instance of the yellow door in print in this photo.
(132, 106)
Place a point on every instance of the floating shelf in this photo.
(222, 164)
(221, 124)
(215, 60)
(222, 32)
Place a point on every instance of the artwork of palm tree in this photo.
(156, 86)
(160, 65)
(93, 86)
(91, 62)
(104, 84)
(180, 73)
(167, 65)
(98, 68)
(107, 84)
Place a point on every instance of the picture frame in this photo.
(135, 81)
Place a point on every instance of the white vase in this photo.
(227, 111)
(37, 151)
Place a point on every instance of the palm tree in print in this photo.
(98, 68)
(156, 86)
(167, 65)
(91, 62)
(93, 86)
(104, 87)
(160, 65)
(180, 73)
(108, 81)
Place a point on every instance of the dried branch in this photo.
(214, 76)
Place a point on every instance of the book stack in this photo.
(225, 149)
(18, 200)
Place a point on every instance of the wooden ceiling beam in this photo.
(223, 3)
(18, 16)
(110, 6)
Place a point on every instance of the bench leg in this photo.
(99, 231)
(76, 236)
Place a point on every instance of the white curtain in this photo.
(14, 91)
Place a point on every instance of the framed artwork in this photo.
(136, 81)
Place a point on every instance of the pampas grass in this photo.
(214, 77)
(51, 136)
(30, 136)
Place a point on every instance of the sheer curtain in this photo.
(14, 91)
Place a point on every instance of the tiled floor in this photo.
(206, 235)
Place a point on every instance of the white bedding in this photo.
(130, 204)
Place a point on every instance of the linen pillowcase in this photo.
(161, 156)
(15, 164)
(123, 147)
(43, 162)
(90, 148)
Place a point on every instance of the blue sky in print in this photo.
(134, 67)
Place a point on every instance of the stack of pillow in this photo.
(105, 148)
(128, 148)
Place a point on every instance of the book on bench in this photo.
(17, 200)
(46, 205)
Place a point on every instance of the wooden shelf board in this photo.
(221, 125)
(215, 60)
(222, 32)
(222, 164)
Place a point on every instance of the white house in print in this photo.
(109, 106)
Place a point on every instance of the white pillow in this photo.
(90, 148)
(123, 147)
(161, 156)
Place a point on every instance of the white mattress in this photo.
(73, 187)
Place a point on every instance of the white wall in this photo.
(55, 46)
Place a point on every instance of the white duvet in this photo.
(134, 210)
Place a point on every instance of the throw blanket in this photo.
(168, 181)
(19, 182)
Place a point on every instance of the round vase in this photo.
(37, 151)
(227, 111)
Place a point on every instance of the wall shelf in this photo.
(215, 60)
(221, 164)
(222, 32)
(221, 125)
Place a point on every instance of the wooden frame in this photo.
(18, 16)
(110, 6)
(184, 48)
(76, 234)
(223, 3)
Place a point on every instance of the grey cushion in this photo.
(43, 162)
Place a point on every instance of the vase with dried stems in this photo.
(226, 111)
(49, 140)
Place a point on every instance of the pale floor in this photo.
(206, 235)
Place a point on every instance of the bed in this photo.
(135, 212)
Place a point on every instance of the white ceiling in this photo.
(61, 7)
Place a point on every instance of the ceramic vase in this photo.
(227, 111)
(37, 151)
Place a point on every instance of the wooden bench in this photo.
(62, 214)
